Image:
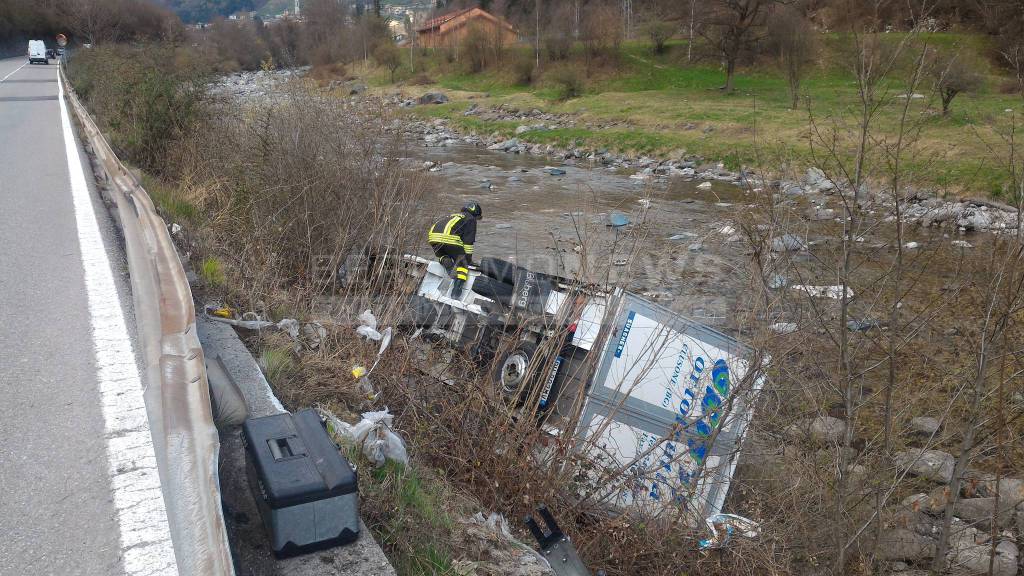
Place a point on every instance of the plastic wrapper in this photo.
(373, 434)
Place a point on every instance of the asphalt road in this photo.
(60, 511)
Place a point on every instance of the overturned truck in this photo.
(658, 402)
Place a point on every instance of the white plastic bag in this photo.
(374, 435)
(368, 326)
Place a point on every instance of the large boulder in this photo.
(983, 484)
(906, 545)
(433, 98)
(825, 430)
(925, 425)
(935, 465)
(980, 511)
(818, 181)
(975, 559)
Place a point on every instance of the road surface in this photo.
(79, 491)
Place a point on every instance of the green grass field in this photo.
(671, 105)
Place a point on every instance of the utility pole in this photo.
(537, 50)
(627, 18)
(689, 45)
(576, 29)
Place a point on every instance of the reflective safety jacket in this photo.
(455, 230)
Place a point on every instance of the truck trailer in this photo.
(657, 402)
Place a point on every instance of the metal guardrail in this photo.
(177, 395)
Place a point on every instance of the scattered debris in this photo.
(787, 243)
(777, 281)
(368, 326)
(617, 220)
(724, 526)
(683, 236)
(373, 434)
(833, 292)
(862, 325)
(783, 327)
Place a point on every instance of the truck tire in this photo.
(493, 289)
(501, 270)
(513, 369)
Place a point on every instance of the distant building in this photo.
(449, 29)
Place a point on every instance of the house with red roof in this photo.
(449, 29)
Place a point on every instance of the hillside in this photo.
(206, 10)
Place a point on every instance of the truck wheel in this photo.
(510, 373)
(501, 270)
(493, 289)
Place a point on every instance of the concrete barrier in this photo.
(176, 390)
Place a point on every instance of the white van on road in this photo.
(37, 52)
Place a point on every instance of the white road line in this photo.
(141, 516)
(12, 73)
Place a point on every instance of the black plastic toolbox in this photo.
(305, 489)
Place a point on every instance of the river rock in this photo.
(433, 98)
(938, 498)
(983, 484)
(904, 544)
(925, 425)
(979, 511)
(820, 430)
(817, 181)
(916, 521)
(975, 218)
(818, 213)
(975, 559)
(504, 146)
(935, 465)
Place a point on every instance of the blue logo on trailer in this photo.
(699, 432)
(624, 334)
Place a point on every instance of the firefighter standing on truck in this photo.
(452, 239)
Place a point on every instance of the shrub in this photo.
(568, 81)
(277, 364)
(523, 69)
(212, 272)
(557, 46)
(145, 97)
(660, 32)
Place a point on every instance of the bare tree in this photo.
(95, 21)
(389, 56)
(733, 28)
(660, 32)
(792, 39)
(953, 75)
